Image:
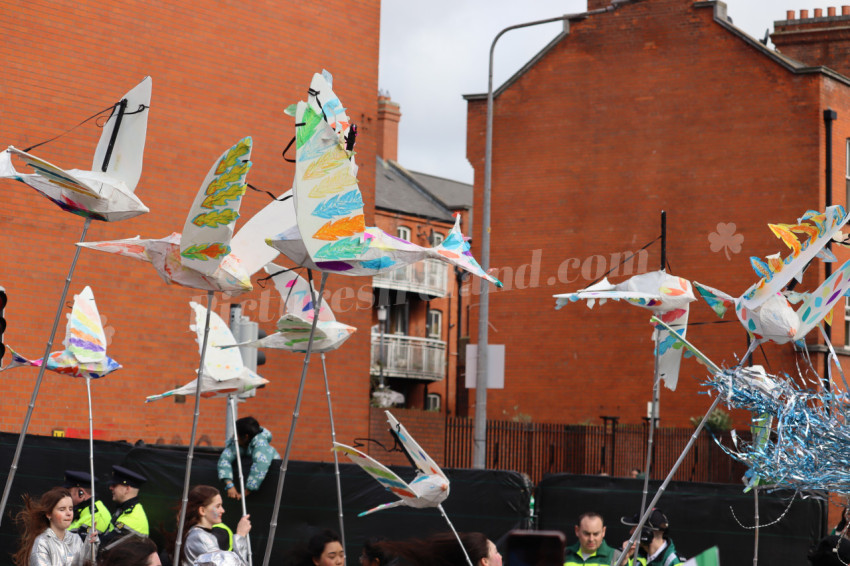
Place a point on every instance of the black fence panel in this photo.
(700, 515)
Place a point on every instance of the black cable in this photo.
(623, 261)
(95, 115)
(281, 199)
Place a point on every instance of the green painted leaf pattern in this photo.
(348, 248)
(305, 132)
(233, 192)
(216, 218)
(204, 252)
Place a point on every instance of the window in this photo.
(403, 232)
(438, 239)
(433, 402)
(435, 324)
(399, 319)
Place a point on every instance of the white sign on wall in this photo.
(495, 366)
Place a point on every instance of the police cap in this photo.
(74, 478)
(123, 476)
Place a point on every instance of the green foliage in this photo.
(718, 422)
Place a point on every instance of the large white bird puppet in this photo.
(329, 233)
(224, 372)
(429, 488)
(666, 295)
(201, 257)
(293, 328)
(763, 309)
(107, 191)
(85, 344)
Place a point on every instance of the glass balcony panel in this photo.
(427, 277)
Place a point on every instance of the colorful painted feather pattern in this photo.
(339, 205)
(232, 156)
(205, 252)
(216, 218)
(233, 175)
(220, 198)
(329, 161)
(380, 263)
(315, 147)
(348, 248)
(341, 228)
(304, 132)
(333, 184)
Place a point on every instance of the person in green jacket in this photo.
(656, 548)
(591, 547)
(257, 442)
(79, 484)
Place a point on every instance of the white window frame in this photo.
(435, 316)
(438, 239)
(433, 402)
(404, 232)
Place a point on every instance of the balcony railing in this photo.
(409, 357)
(429, 277)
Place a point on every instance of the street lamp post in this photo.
(479, 430)
(382, 319)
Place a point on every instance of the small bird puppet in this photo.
(107, 191)
(429, 488)
(665, 295)
(85, 344)
(293, 328)
(224, 372)
(329, 233)
(201, 257)
(763, 309)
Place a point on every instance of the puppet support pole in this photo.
(653, 415)
(336, 456)
(317, 304)
(40, 377)
(669, 477)
(232, 400)
(182, 519)
(452, 527)
(91, 469)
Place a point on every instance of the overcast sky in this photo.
(434, 52)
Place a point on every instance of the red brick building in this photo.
(643, 107)
(220, 72)
(422, 305)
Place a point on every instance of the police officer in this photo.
(79, 484)
(129, 517)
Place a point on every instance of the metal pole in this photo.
(756, 550)
(40, 377)
(381, 383)
(285, 462)
(182, 518)
(479, 431)
(452, 527)
(829, 117)
(669, 477)
(335, 453)
(231, 401)
(653, 414)
(91, 468)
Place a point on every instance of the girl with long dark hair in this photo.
(444, 550)
(45, 540)
(203, 510)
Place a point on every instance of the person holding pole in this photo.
(656, 546)
(257, 441)
(79, 484)
(203, 511)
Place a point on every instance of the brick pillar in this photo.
(389, 115)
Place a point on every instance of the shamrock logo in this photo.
(726, 239)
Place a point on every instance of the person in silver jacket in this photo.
(204, 510)
(46, 540)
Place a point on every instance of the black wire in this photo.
(262, 280)
(623, 261)
(360, 443)
(281, 199)
(95, 115)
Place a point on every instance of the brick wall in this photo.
(652, 107)
(427, 428)
(220, 71)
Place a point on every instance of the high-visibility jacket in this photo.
(83, 516)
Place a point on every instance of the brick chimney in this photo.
(814, 41)
(389, 113)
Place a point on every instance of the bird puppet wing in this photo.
(818, 305)
(84, 336)
(296, 294)
(209, 227)
(219, 363)
(420, 458)
(385, 476)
